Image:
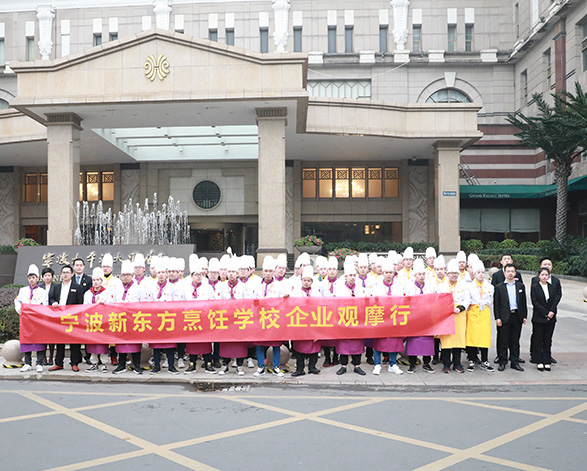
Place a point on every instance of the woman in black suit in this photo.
(544, 301)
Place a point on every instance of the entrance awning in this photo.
(518, 191)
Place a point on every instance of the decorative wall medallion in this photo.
(159, 67)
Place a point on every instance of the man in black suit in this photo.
(510, 311)
(499, 277)
(80, 277)
(65, 293)
(546, 262)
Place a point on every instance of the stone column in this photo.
(63, 135)
(162, 11)
(446, 171)
(271, 182)
(45, 15)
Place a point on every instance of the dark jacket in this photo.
(558, 289)
(86, 282)
(75, 295)
(499, 277)
(541, 306)
(501, 303)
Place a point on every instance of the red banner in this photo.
(270, 319)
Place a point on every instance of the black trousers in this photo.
(425, 359)
(445, 355)
(327, 356)
(301, 360)
(542, 336)
(207, 358)
(28, 358)
(344, 360)
(136, 359)
(473, 351)
(239, 361)
(75, 354)
(508, 340)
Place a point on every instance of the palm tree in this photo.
(560, 130)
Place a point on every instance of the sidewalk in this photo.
(569, 349)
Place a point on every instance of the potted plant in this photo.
(309, 244)
(341, 254)
(24, 242)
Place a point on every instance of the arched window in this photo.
(3, 104)
(448, 95)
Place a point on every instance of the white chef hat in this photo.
(387, 265)
(440, 262)
(204, 262)
(453, 266)
(139, 260)
(107, 260)
(332, 262)
(349, 268)
(418, 266)
(98, 273)
(430, 252)
(409, 253)
(472, 259)
(363, 260)
(269, 263)
(126, 267)
(461, 256)
(478, 266)
(281, 260)
(213, 264)
(33, 270)
(308, 272)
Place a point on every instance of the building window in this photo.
(332, 39)
(383, 38)
(213, 34)
(391, 183)
(113, 36)
(2, 58)
(96, 185)
(30, 49)
(517, 20)
(206, 195)
(452, 38)
(325, 183)
(342, 183)
(356, 182)
(468, 38)
(4, 105)
(417, 38)
(264, 35)
(230, 37)
(375, 179)
(348, 39)
(297, 39)
(340, 88)
(448, 95)
(524, 87)
(548, 67)
(35, 188)
(309, 183)
(583, 46)
(97, 39)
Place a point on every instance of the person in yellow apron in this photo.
(453, 344)
(478, 336)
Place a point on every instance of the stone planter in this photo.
(311, 249)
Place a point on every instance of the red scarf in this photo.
(307, 290)
(139, 280)
(388, 287)
(196, 289)
(363, 280)
(331, 281)
(214, 283)
(95, 293)
(352, 288)
(161, 288)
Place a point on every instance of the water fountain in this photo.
(133, 225)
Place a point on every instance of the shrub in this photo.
(9, 324)
(6, 250)
(472, 245)
(384, 246)
(493, 244)
(308, 241)
(528, 245)
(508, 244)
(341, 254)
(542, 243)
(7, 295)
(522, 262)
(24, 242)
(561, 268)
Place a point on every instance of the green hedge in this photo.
(385, 246)
(522, 262)
(7, 249)
(9, 324)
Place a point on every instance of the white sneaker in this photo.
(104, 369)
(151, 361)
(277, 372)
(259, 372)
(234, 365)
(240, 371)
(224, 370)
(377, 370)
(395, 369)
(92, 369)
(26, 368)
(165, 364)
(180, 363)
(250, 363)
(39, 368)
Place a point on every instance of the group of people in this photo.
(232, 277)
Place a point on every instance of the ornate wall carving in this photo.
(7, 222)
(289, 207)
(129, 186)
(418, 203)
